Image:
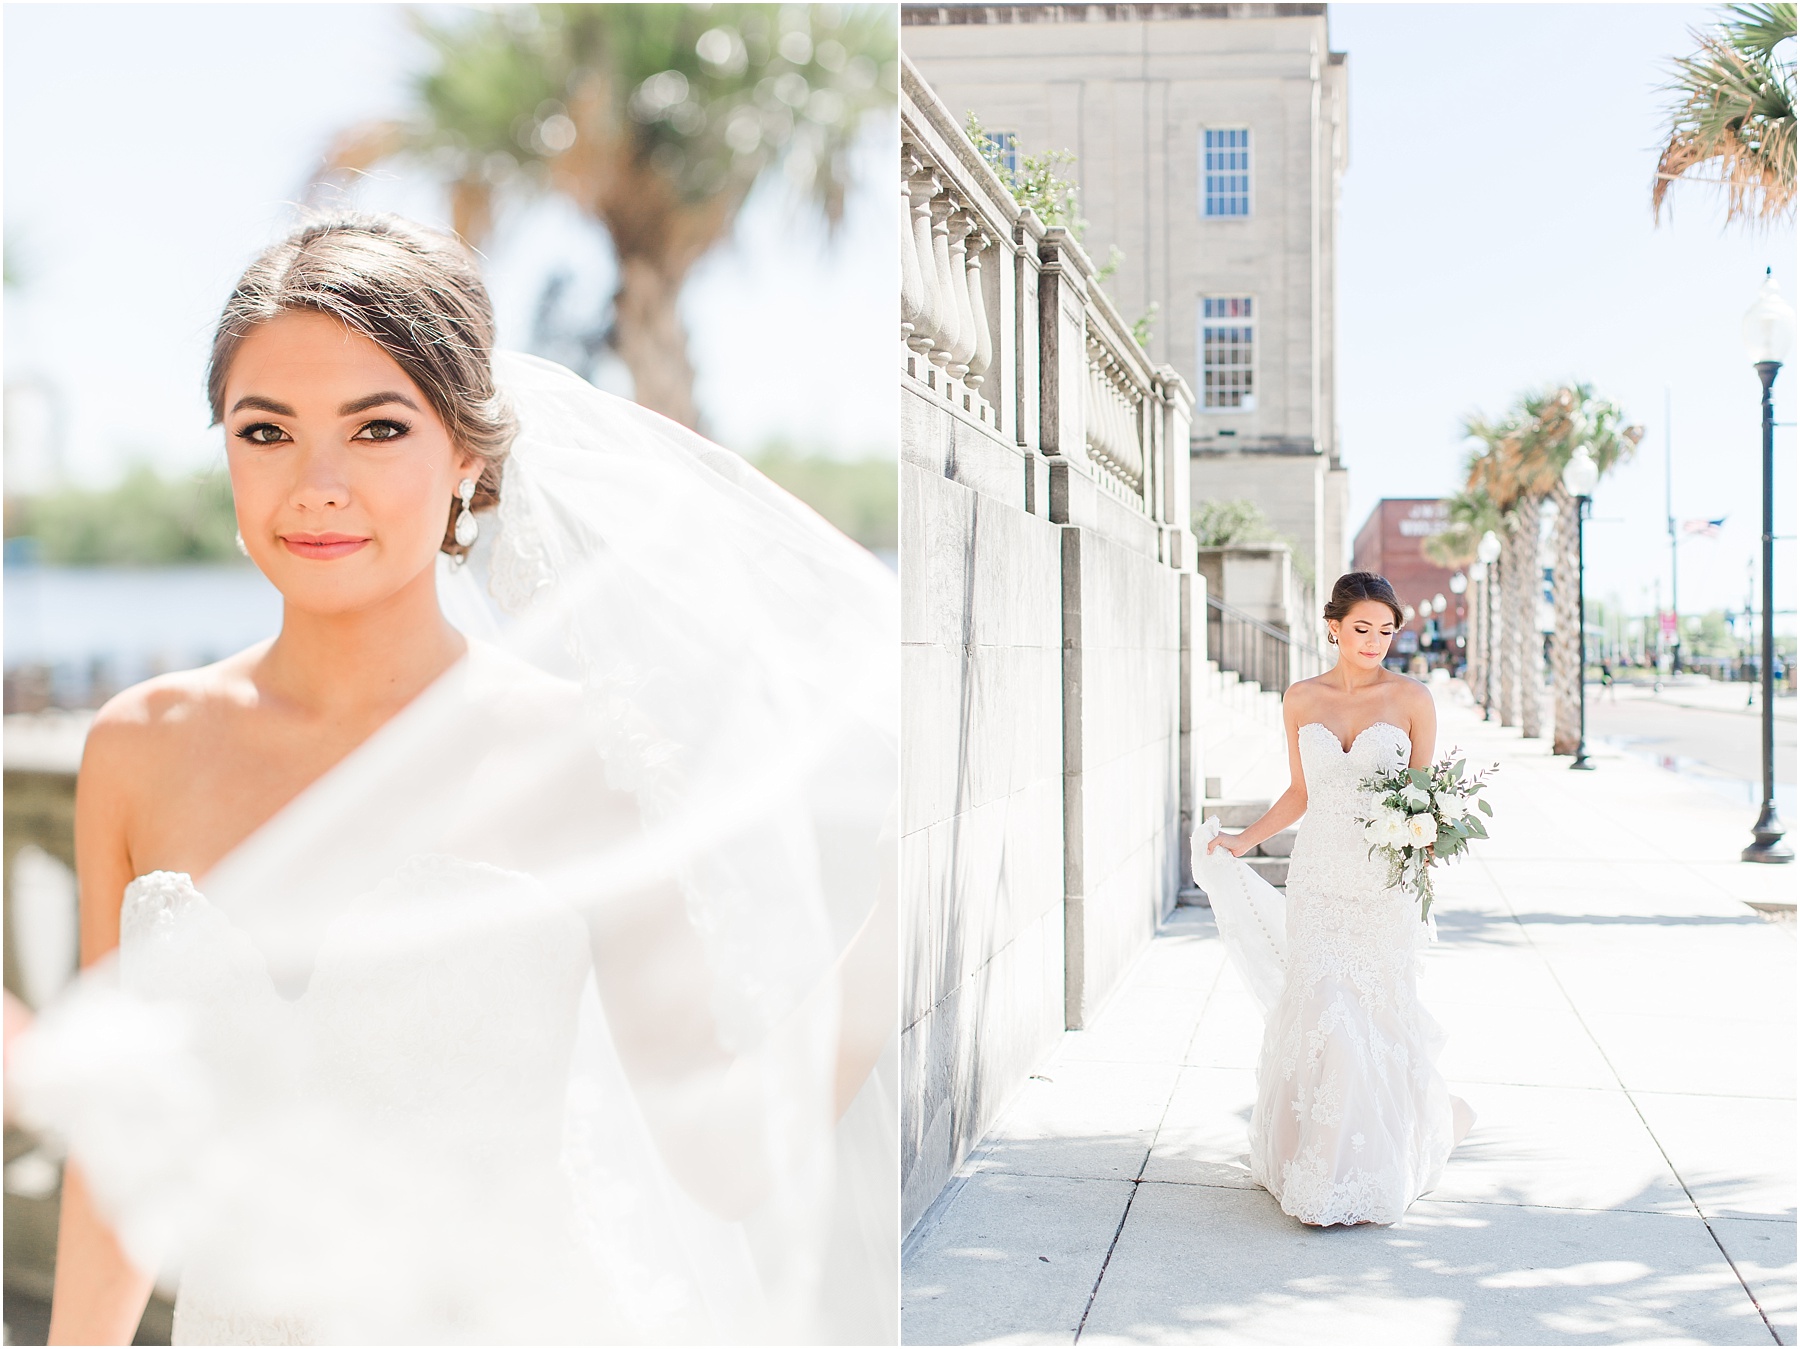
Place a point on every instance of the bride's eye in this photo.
(382, 429)
(262, 433)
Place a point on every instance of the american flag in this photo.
(1706, 529)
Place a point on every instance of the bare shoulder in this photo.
(1417, 707)
(151, 721)
(1414, 696)
(1302, 697)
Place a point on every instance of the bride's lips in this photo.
(322, 546)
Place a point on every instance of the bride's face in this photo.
(1365, 633)
(342, 474)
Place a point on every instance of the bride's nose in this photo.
(321, 483)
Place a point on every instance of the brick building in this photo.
(1391, 543)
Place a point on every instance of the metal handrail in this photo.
(1271, 662)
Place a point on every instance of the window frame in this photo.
(1248, 319)
(1008, 143)
(1248, 195)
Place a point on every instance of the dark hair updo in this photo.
(1353, 587)
(414, 292)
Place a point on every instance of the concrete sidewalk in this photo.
(1621, 1021)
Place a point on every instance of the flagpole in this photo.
(1669, 512)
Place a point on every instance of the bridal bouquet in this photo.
(1422, 816)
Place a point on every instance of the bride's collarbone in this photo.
(1348, 716)
(193, 772)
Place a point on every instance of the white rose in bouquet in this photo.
(1416, 798)
(1421, 830)
(1393, 829)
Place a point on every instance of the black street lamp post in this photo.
(1768, 330)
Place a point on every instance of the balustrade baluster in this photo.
(949, 321)
(912, 281)
(960, 225)
(923, 187)
(983, 356)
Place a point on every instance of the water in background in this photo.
(76, 635)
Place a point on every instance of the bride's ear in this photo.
(469, 465)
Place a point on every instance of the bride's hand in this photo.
(1229, 842)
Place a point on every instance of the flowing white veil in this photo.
(672, 752)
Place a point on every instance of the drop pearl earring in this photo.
(467, 529)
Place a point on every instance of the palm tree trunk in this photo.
(651, 340)
(1565, 651)
(1506, 644)
(1530, 639)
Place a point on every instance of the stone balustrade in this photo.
(1118, 393)
(949, 221)
(1003, 320)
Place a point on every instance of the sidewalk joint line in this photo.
(1138, 1180)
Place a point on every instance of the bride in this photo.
(1352, 1120)
(484, 962)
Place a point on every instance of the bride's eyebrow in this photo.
(375, 400)
(261, 404)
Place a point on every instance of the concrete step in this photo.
(1277, 845)
(1238, 813)
(1274, 870)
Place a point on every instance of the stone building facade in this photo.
(1210, 140)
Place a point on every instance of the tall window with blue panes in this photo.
(1225, 172)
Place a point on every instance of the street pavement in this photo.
(1622, 1022)
(1702, 729)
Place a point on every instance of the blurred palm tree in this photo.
(1517, 471)
(654, 119)
(1573, 417)
(1733, 108)
(1502, 471)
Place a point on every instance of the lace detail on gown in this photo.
(1352, 1119)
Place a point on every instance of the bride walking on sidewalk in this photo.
(1352, 1120)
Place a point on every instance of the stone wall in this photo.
(1121, 726)
(1047, 666)
(981, 776)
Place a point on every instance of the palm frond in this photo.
(1733, 114)
(1757, 30)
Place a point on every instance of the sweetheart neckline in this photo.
(1347, 749)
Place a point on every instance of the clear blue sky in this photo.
(1496, 234)
(151, 150)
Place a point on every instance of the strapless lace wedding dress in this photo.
(1352, 1120)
